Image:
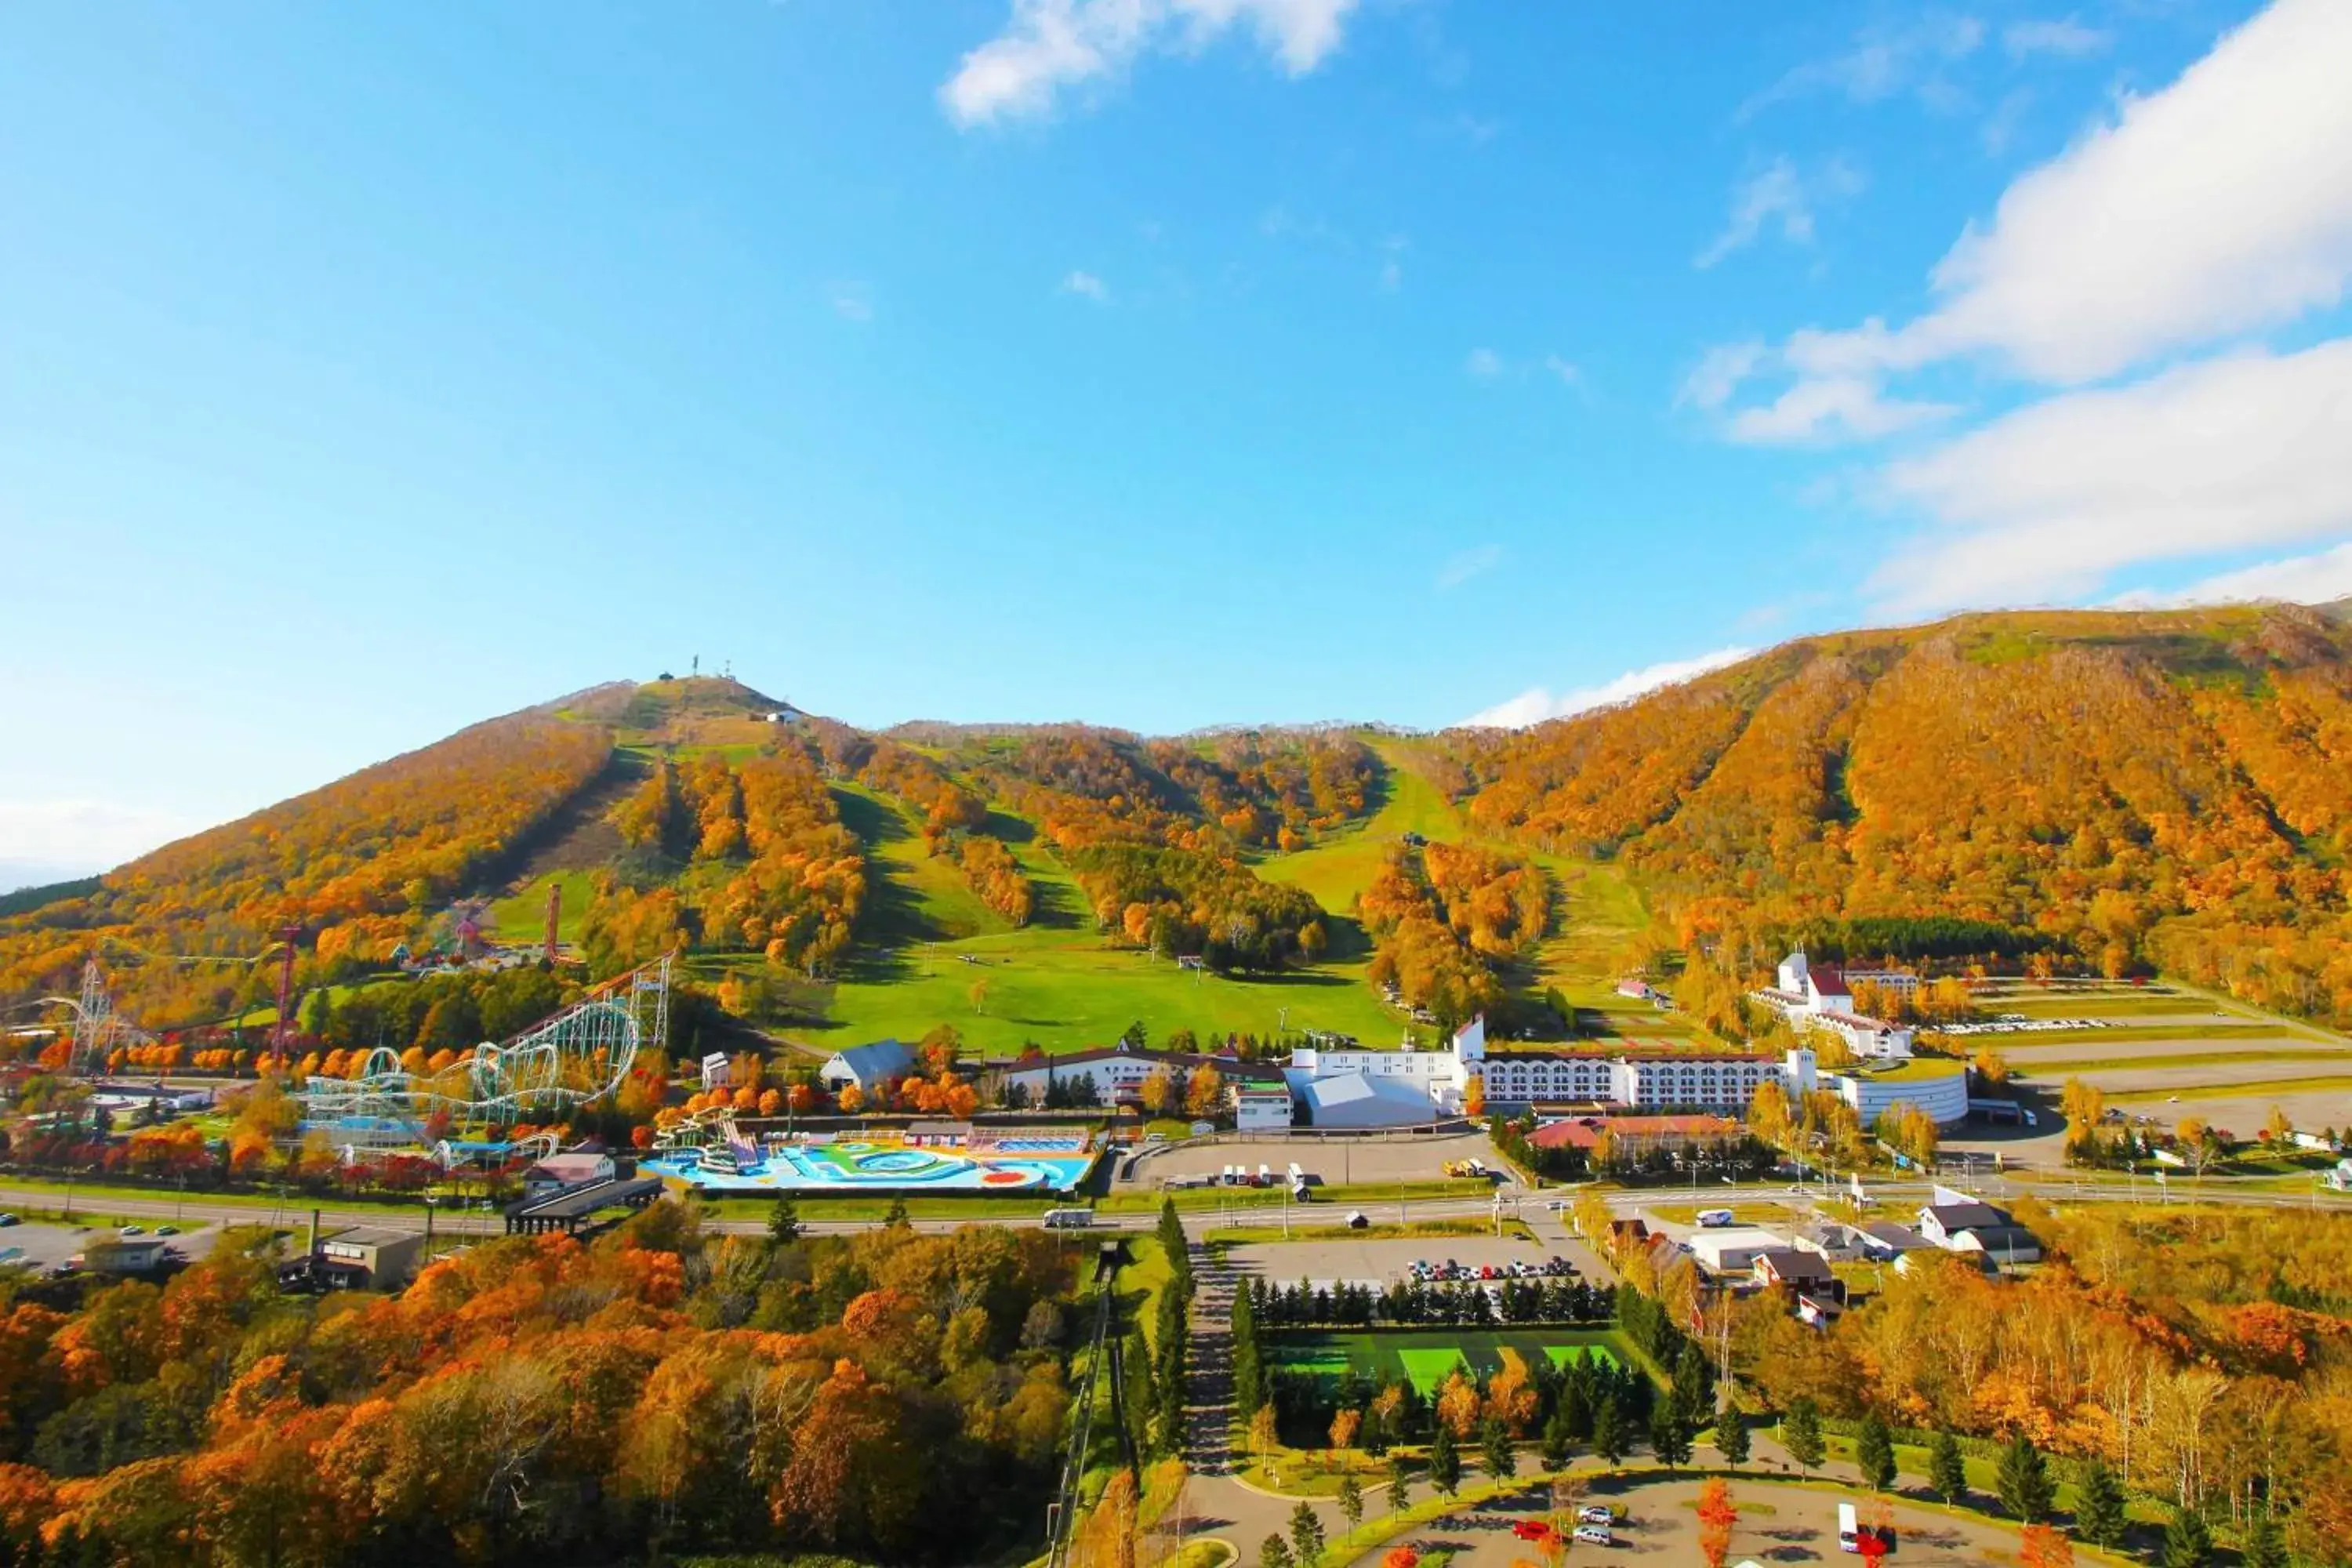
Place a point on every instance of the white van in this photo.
(1714, 1219)
(1849, 1528)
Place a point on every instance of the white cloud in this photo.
(1825, 408)
(1088, 285)
(1049, 45)
(1483, 363)
(2219, 206)
(1536, 704)
(2296, 580)
(1719, 374)
(1883, 62)
(2058, 35)
(2230, 454)
(1777, 195)
(853, 302)
(61, 839)
(1564, 369)
(1465, 564)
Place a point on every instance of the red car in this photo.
(1531, 1530)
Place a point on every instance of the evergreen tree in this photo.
(1694, 1385)
(2261, 1547)
(1351, 1502)
(1249, 1363)
(1273, 1553)
(1875, 1452)
(1305, 1536)
(1800, 1434)
(1137, 1399)
(1731, 1438)
(1609, 1431)
(2024, 1485)
(1400, 1484)
(1670, 1440)
(1502, 1462)
(1575, 1405)
(783, 1222)
(1444, 1461)
(2099, 1506)
(1947, 1472)
(895, 1217)
(2187, 1543)
(1558, 1443)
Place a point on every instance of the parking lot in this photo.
(1358, 1160)
(1386, 1261)
(43, 1247)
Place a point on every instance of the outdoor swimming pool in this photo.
(880, 1167)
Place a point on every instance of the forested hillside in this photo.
(2105, 791)
(364, 862)
(2127, 791)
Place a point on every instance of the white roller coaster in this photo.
(581, 1054)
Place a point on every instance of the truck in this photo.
(1069, 1219)
(1849, 1528)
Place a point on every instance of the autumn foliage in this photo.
(2134, 791)
(537, 1400)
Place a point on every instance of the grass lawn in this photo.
(523, 916)
(2038, 1067)
(1428, 1356)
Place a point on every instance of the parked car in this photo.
(1596, 1513)
(132, 1230)
(8, 1220)
(167, 1231)
(1595, 1535)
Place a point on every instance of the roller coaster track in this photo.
(580, 1054)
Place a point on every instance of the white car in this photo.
(1557, 1205)
(1595, 1535)
(1595, 1513)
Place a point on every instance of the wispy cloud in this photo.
(1050, 46)
(2296, 580)
(1484, 364)
(853, 301)
(1778, 195)
(1566, 371)
(1537, 704)
(2060, 36)
(1088, 285)
(1720, 373)
(1465, 564)
(1881, 63)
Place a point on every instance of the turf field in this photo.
(1428, 1356)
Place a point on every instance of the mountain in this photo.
(2108, 791)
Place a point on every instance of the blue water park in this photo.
(926, 1158)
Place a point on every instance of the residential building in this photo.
(1883, 1240)
(371, 1258)
(1732, 1250)
(1797, 1270)
(1830, 1240)
(1814, 996)
(1118, 1073)
(1959, 1223)
(1638, 1135)
(562, 1172)
(869, 1067)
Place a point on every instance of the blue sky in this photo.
(369, 369)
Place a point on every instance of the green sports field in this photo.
(1428, 1356)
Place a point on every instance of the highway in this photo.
(1516, 1202)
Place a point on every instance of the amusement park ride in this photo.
(582, 1053)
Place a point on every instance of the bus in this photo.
(1069, 1219)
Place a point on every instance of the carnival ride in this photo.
(580, 1054)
